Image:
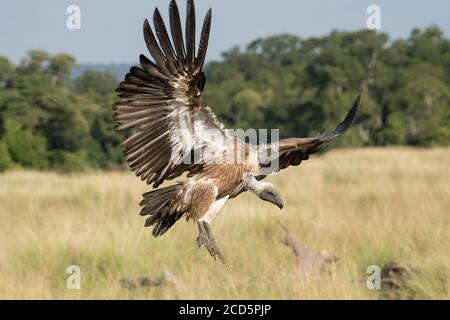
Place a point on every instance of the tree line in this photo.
(50, 120)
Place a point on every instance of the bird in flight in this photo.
(170, 132)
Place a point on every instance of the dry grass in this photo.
(368, 206)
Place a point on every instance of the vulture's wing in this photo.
(291, 152)
(160, 101)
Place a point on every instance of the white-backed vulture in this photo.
(168, 127)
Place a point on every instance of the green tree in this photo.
(5, 158)
(60, 66)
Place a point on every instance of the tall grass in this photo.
(368, 206)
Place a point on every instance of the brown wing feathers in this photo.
(150, 94)
(293, 151)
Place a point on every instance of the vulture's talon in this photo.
(206, 238)
(215, 252)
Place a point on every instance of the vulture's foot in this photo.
(202, 235)
(206, 238)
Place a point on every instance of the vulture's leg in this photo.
(214, 249)
(206, 238)
(202, 235)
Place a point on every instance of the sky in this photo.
(111, 30)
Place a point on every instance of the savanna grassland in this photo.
(368, 206)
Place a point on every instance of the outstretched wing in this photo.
(292, 151)
(160, 101)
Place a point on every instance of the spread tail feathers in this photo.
(159, 204)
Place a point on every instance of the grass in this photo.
(368, 206)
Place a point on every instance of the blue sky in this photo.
(111, 30)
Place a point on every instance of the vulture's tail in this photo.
(161, 205)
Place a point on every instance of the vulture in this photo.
(171, 133)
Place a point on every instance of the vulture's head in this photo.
(266, 192)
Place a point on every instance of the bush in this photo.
(69, 162)
(392, 134)
(27, 149)
(5, 158)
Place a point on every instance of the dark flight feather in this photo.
(164, 41)
(154, 48)
(190, 33)
(177, 32)
(204, 39)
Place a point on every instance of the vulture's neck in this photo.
(252, 184)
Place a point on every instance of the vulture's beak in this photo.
(279, 203)
(272, 197)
